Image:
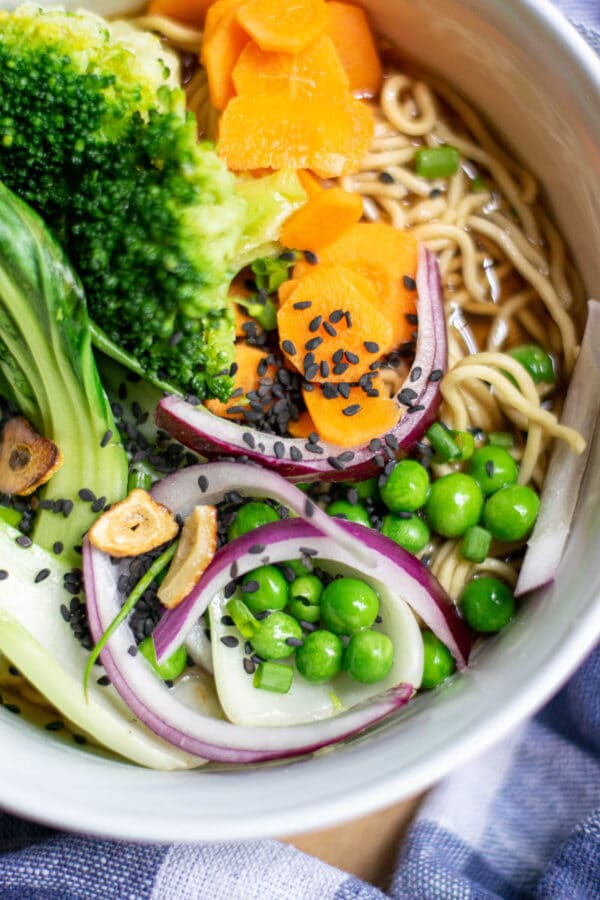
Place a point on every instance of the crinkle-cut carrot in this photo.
(246, 379)
(323, 219)
(311, 185)
(351, 34)
(330, 138)
(387, 257)
(287, 289)
(283, 27)
(352, 420)
(330, 327)
(303, 426)
(223, 41)
(190, 12)
(314, 70)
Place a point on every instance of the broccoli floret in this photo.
(48, 373)
(94, 135)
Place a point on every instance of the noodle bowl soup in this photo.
(509, 285)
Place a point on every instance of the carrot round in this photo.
(222, 43)
(323, 219)
(351, 420)
(246, 379)
(311, 185)
(351, 34)
(191, 12)
(387, 258)
(301, 427)
(286, 28)
(277, 132)
(314, 70)
(330, 328)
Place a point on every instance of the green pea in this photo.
(249, 517)
(366, 490)
(487, 604)
(265, 588)
(455, 503)
(353, 512)
(305, 594)
(493, 468)
(270, 641)
(348, 604)
(369, 656)
(536, 361)
(438, 663)
(510, 513)
(172, 667)
(320, 657)
(411, 533)
(406, 488)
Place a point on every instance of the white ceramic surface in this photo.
(528, 71)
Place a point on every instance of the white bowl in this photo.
(535, 78)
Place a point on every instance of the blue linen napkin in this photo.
(522, 821)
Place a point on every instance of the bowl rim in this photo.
(49, 807)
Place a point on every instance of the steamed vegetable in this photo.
(348, 28)
(48, 371)
(94, 134)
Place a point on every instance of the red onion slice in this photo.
(566, 469)
(212, 436)
(210, 738)
(392, 565)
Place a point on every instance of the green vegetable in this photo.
(437, 162)
(270, 273)
(476, 543)
(159, 564)
(270, 641)
(493, 468)
(479, 184)
(442, 442)
(455, 503)
(348, 604)
(366, 490)
(438, 663)
(320, 657)
(139, 480)
(265, 588)
(97, 139)
(296, 566)
(511, 512)
(465, 443)
(411, 533)
(487, 604)
(273, 677)
(48, 371)
(243, 619)
(501, 439)
(305, 594)
(249, 517)
(353, 512)
(369, 656)
(406, 488)
(264, 312)
(536, 361)
(10, 515)
(172, 667)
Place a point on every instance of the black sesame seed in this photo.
(351, 357)
(308, 626)
(227, 620)
(338, 356)
(65, 612)
(324, 367)
(24, 541)
(80, 739)
(97, 505)
(370, 347)
(279, 449)
(302, 304)
(229, 589)
(407, 395)
(106, 437)
(331, 331)
(203, 483)
(348, 318)
(46, 504)
(287, 256)
(344, 389)
(41, 575)
(392, 441)
(436, 375)
(294, 642)
(489, 468)
(415, 373)
(311, 258)
(14, 671)
(295, 454)
(257, 548)
(315, 323)
(409, 283)
(132, 650)
(386, 178)
(67, 507)
(249, 666)
(375, 445)
(309, 551)
(251, 586)
(103, 681)
(336, 316)
(309, 508)
(289, 347)
(13, 708)
(340, 369)
(352, 409)
(3, 574)
(412, 319)
(414, 409)
(330, 391)
(346, 457)
(87, 495)
(313, 343)
(56, 725)
(378, 619)
(249, 440)
(311, 372)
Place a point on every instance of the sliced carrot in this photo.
(351, 34)
(287, 289)
(246, 379)
(352, 420)
(301, 427)
(330, 327)
(314, 70)
(286, 28)
(331, 138)
(241, 318)
(387, 257)
(191, 12)
(322, 220)
(222, 44)
(310, 184)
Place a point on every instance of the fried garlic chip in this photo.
(133, 526)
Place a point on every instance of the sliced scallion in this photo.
(476, 543)
(442, 442)
(501, 439)
(437, 162)
(243, 619)
(273, 677)
(465, 443)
